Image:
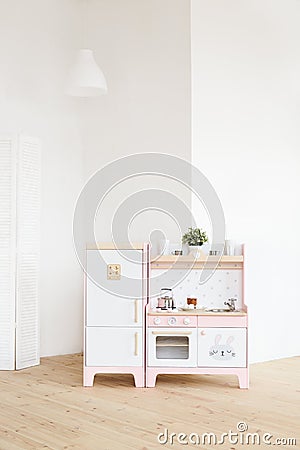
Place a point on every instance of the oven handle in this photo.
(173, 333)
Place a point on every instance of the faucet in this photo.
(230, 303)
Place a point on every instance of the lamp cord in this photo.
(85, 23)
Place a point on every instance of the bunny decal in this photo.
(222, 352)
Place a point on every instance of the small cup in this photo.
(160, 302)
(191, 301)
(230, 246)
(166, 248)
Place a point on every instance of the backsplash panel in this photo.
(223, 285)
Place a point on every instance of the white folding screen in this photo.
(28, 231)
(19, 251)
(7, 251)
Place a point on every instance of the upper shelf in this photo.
(115, 246)
(191, 258)
(177, 262)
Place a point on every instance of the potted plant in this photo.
(195, 238)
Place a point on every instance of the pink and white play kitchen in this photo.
(171, 314)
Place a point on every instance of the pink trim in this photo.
(137, 372)
(244, 281)
(242, 373)
(222, 322)
(84, 308)
(243, 276)
(165, 318)
(146, 275)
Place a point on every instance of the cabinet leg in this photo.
(139, 379)
(243, 376)
(88, 377)
(150, 378)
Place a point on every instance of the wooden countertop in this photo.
(197, 312)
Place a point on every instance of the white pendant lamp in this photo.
(86, 79)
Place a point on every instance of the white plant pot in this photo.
(196, 250)
(205, 248)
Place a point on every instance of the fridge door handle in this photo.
(136, 342)
(136, 311)
(172, 333)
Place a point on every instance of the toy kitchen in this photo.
(171, 314)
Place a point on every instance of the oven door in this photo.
(176, 347)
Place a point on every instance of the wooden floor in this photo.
(46, 407)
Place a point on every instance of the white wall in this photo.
(36, 44)
(143, 47)
(245, 139)
(245, 75)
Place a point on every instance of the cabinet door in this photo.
(222, 347)
(114, 302)
(176, 347)
(104, 309)
(119, 347)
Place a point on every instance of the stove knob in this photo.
(186, 321)
(172, 321)
(156, 320)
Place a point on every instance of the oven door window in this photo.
(172, 347)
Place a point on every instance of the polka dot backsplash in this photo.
(220, 287)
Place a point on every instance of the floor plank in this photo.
(46, 407)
